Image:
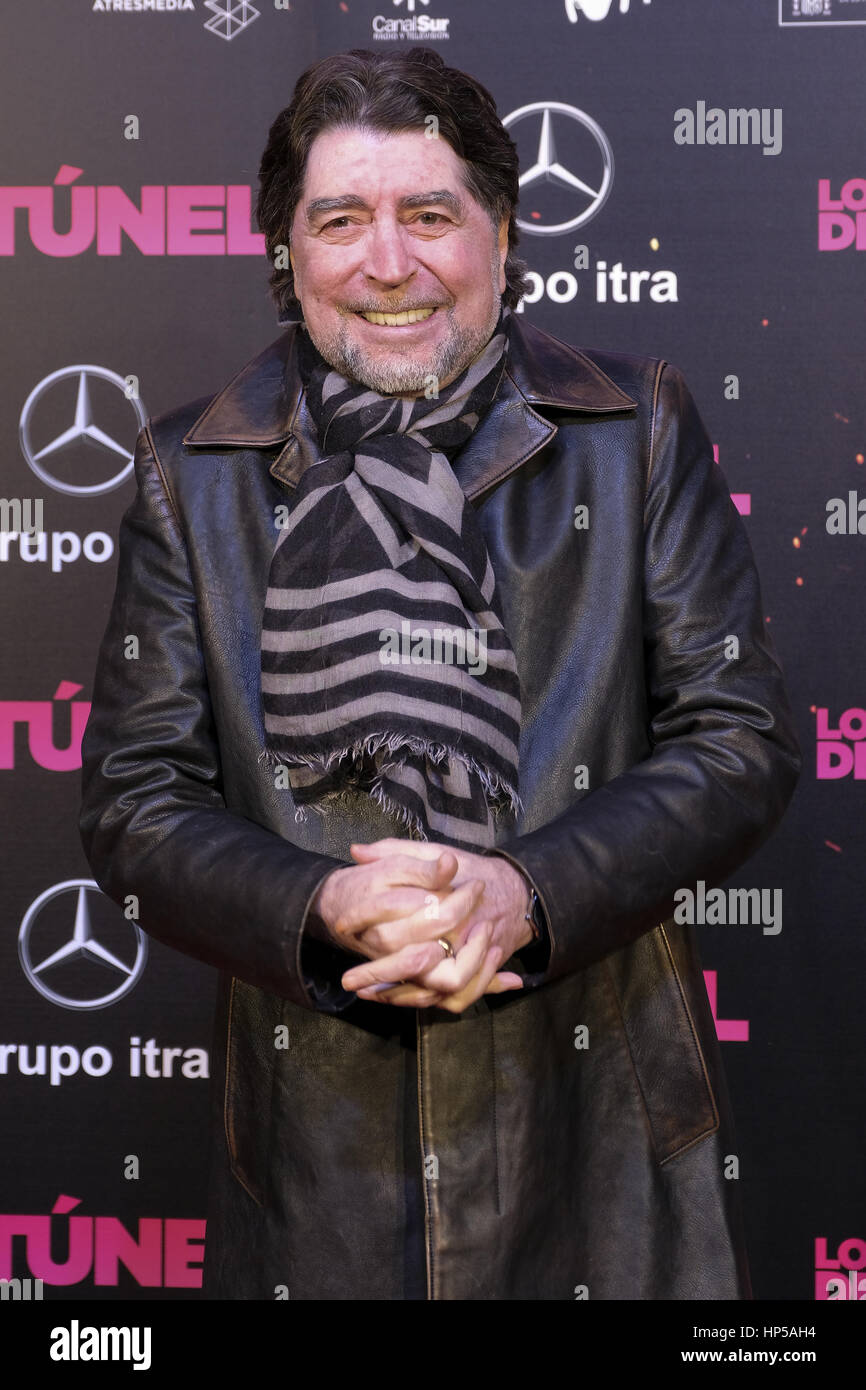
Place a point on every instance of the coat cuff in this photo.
(534, 958)
(321, 963)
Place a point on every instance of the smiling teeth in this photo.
(396, 320)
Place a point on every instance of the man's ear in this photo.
(294, 271)
(503, 253)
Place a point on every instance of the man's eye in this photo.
(338, 222)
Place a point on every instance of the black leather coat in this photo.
(362, 1151)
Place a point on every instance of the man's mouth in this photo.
(397, 320)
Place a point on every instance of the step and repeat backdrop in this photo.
(693, 187)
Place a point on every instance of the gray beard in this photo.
(406, 376)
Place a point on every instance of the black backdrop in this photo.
(151, 114)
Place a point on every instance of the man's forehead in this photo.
(337, 138)
(361, 158)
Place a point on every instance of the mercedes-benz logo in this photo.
(83, 429)
(593, 150)
(71, 952)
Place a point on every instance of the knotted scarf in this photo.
(385, 665)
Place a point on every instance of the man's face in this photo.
(399, 232)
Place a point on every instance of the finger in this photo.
(400, 872)
(405, 994)
(437, 870)
(387, 906)
(381, 849)
(504, 980)
(442, 915)
(419, 998)
(452, 974)
(378, 849)
(473, 990)
(423, 963)
(418, 961)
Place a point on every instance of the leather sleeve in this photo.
(725, 757)
(153, 819)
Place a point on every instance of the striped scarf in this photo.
(385, 665)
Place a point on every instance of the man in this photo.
(433, 714)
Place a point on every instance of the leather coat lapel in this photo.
(264, 406)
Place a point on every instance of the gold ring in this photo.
(446, 945)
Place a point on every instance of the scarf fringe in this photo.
(502, 796)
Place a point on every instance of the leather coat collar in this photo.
(264, 406)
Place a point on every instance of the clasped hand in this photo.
(400, 896)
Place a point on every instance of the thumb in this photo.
(378, 849)
(444, 869)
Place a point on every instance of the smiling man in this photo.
(399, 289)
(463, 1046)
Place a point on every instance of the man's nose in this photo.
(389, 258)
